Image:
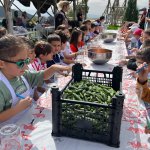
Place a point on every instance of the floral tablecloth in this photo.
(37, 136)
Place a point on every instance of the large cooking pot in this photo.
(99, 55)
(108, 37)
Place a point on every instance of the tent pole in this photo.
(8, 15)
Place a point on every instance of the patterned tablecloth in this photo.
(37, 136)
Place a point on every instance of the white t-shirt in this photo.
(67, 49)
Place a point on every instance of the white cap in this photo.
(134, 27)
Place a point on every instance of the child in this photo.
(86, 35)
(43, 51)
(67, 51)
(76, 40)
(92, 29)
(64, 29)
(15, 80)
(55, 41)
(87, 23)
(68, 58)
(143, 76)
(31, 55)
(3, 31)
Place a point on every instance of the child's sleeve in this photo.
(2, 102)
(35, 78)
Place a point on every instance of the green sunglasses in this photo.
(19, 63)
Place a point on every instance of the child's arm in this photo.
(20, 106)
(68, 61)
(55, 68)
(142, 82)
(145, 91)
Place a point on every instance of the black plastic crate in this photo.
(86, 120)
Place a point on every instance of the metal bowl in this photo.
(108, 37)
(99, 55)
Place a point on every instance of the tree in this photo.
(82, 4)
(131, 13)
(8, 14)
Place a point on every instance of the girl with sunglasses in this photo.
(16, 81)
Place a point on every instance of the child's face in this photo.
(66, 31)
(80, 38)
(139, 62)
(145, 36)
(31, 55)
(93, 29)
(136, 36)
(63, 45)
(46, 57)
(11, 70)
(56, 46)
(88, 24)
(86, 32)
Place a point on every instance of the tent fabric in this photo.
(25, 2)
(37, 4)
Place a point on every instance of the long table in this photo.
(37, 136)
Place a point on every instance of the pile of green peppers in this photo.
(90, 92)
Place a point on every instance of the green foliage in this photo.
(113, 27)
(131, 13)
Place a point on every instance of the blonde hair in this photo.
(61, 4)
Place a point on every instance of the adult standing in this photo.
(80, 16)
(24, 18)
(142, 19)
(147, 19)
(61, 17)
(17, 21)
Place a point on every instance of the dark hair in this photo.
(101, 18)
(87, 21)
(61, 27)
(74, 37)
(29, 42)
(62, 36)
(10, 46)
(139, 55)
(129, 24)
(93, 25)
(2, 31)
(145, 54)
(147, 32)
(42, 47)
(53, 37)
(84, 28)
(146, 43)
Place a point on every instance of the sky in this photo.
(96, 7)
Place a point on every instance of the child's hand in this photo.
(80, 52)
(147, 131)
(66, 68)
(24, 103)
(142, 76)
(134, 50)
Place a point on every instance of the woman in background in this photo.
(61, 17)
